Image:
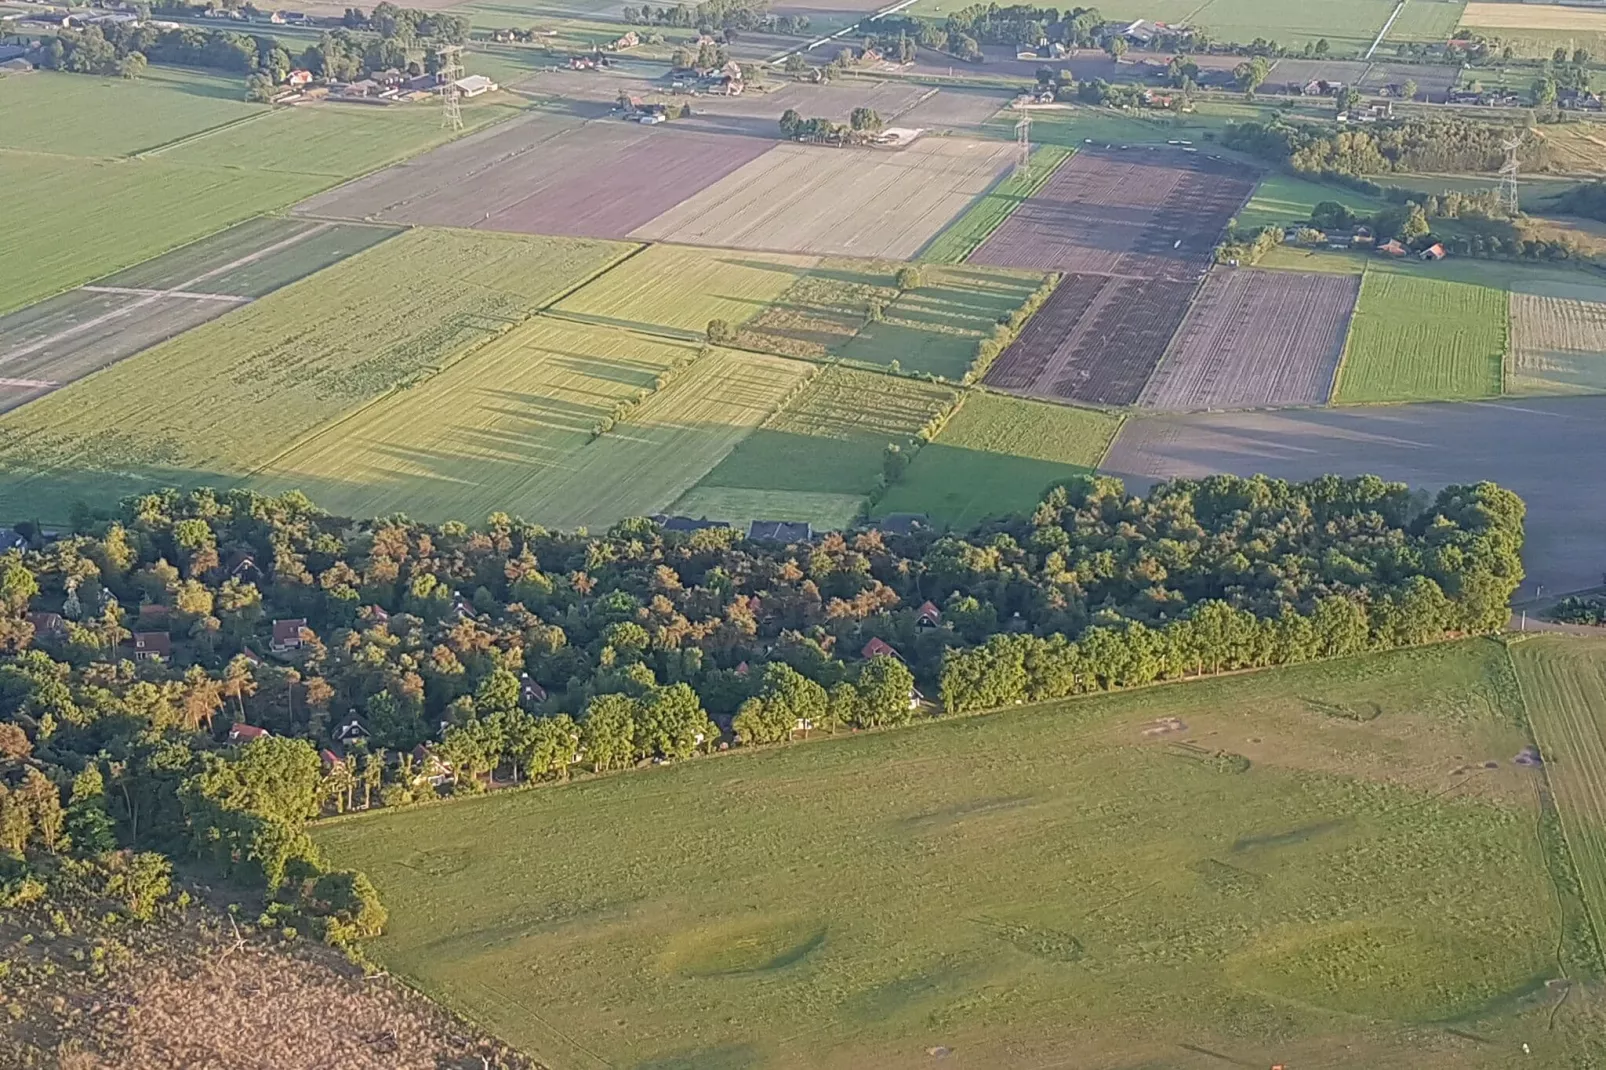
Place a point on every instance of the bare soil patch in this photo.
(1140, 212)
(1097, 339)
(600, 180)
(1521, 444)
(1254, 339)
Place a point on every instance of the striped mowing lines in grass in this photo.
(1564, 688)
(1421, 339)
(511, 428)
(1558, 346)
(220, 401)
(677, 290)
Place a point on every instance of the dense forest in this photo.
(201, 674)
(1439, 146)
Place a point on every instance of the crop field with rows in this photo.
(1420, 339)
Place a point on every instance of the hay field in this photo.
(1558, 346)
(1040, 887)
(965, 234)
(849, 202)
(1563, 681)
(83, 115)
(822, 451)
(1533, 17)
(511, 427)
(997, 455)
(1421, 339)
(676, 290)
(222, 400)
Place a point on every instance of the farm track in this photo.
(1564, 690)
(1240, 347)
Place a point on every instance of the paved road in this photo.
(1552, 451)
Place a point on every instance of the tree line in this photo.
(388, 660)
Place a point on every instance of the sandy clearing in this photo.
(1521, 444)
(851, 202)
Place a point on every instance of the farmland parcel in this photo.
(1421, 339)
(998, 455)
(1558, 346)
(546, 175)
(1513, 443)
(849, 202)
(1256, 338)
(221, 401)
(1274, 877)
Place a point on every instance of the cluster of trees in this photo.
(1580, 609)
(1439, 145)
(862, 123)
(1587, 200)
(1560, 74)
(407, 25)
(711, 15)
(526, 653)
(124, 49)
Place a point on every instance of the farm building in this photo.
(780, 531)
(148, 646)
(686, 523)
(1433, 252)
(474, 85)
(1392, 247)
(240, 732)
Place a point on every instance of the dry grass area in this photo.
(1533, 17)
(1558, 346)
(185, 993)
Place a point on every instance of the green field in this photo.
(119, 213)
(1283, 200)
(964, 234)
(998, 455)
(1563, 683)
(676, 289)
(510, 427)
(825, 446)
(221, 401)
(1315, 871)
(80, 115)
(934, 329)
(1422, 339)
(1424, 20)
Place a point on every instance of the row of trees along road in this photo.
(510, 648)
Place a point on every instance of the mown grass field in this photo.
(998, 455)
(1558, 346)
(824, 448)
(1283, 200)
(120, 213)
(82, 115)
(1563, 680)
(677, 290)
(964, 234)
(223, 400)
(1287, 880)
(1423, 339)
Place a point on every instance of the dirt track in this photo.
(1544, 449)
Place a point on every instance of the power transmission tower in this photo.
(1023, 144)
(451, 69)
(1508, 175)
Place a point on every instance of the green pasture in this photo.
(1425, 20)
(87, 218)
(828, 440)
(997, 455)
(1284, 200)
(965, 234)
(219, 402)
(83, 115)
(1282, 877)
(1416, 338)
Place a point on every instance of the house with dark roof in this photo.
(242, 565)
(241, 732)
(287, 635)
(686, 523)
(530, 692)
(148, 646)
(153, 613)
(350, 730)
(47, 625)
(780, 531)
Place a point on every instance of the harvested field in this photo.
(677, 289)
(1498, 16)
(1096, 339)
(830, 439)
(1254, 339)
(601, 180)
(1140, 213)
(849, 202)
(1558, 346)
(69, 336)
(997, 455)
(511, 428)
(1513, 443)
(1422, 339)
(220, 401)
(955, 109)
(965, 234)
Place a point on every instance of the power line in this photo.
(1508, 175)
(1023, 145)
(451, 69)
